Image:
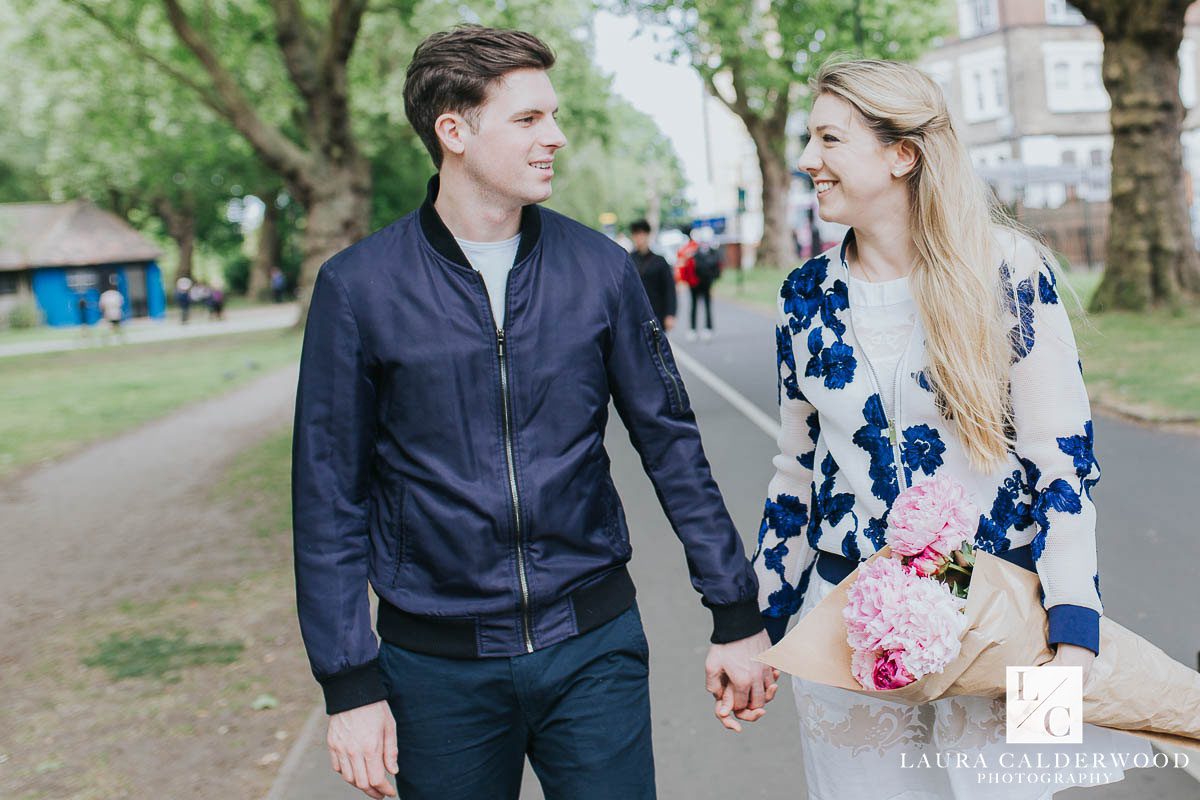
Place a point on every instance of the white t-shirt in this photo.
(493, 260)
(112, 305)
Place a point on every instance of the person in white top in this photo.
(932, 339)
(112, 308)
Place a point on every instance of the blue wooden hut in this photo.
(63, 255)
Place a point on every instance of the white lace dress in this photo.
(859, 748)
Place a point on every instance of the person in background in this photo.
(85, 325)
(112, 308)
(216, 303)
(657, 276)
(278, 284)
(700, 271)
(183, 296)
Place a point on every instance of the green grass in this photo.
(161, 657)
(51, 404)
(1144, 363)
(256, 485)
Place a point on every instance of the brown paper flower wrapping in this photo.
(1133, 685)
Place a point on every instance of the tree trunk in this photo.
(337, 213)
(267, 252)
(1151, 257)
(181, 227)
(776, 248)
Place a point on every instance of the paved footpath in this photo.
(87, 520)
(242, 320)
(1149, 561)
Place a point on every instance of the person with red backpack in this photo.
(699, 265)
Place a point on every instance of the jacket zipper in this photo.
(510, 460)
(662, 361)
(512, 487)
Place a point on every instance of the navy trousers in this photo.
(580, 710)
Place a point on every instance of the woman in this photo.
(931, 340)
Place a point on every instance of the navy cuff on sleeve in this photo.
(734, 621)
(776, 627)
(1076, 625)
(357, 686)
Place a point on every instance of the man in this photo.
(454, 388)
(699, 266)
(183, 296)
(705, 269)
(657, 275)
(112, 308)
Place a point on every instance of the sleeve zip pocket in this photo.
(660, 353)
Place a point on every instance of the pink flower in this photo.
(929, 563)
(879, 671)
(862, 666)
(889, 672)
(880, 587)
(931, 518)
(900, 625)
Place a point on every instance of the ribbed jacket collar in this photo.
(443, 241)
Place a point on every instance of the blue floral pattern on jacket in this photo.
(1042, 495)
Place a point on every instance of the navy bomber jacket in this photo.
(460, 468)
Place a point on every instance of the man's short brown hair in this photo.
(452, 70)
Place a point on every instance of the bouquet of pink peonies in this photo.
(928, 617)
(902, 622)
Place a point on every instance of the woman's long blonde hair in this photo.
(956, 281)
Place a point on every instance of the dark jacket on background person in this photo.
(659, 280)
(461, 468)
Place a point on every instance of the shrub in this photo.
(25, 315)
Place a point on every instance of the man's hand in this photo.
(741, 685)
(1072, 655)
(362, 748)
(668, 323)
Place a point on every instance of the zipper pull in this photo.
(892, 437)
(500, 340)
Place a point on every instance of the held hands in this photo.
(1072, 655)
(362, 748)
(740, 685)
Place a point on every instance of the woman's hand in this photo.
(1072, 655)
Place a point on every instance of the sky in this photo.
(672, 94)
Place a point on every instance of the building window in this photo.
(9, 283)
(977, 17)
(80, 280)
(984, 85)
(1060, 12)
(1097, 158)
(1068, 157)
(1062, 77)
(1073, 83)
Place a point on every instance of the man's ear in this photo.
(450, 129)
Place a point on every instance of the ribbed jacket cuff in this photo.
(1076, 625)
(354, 687)
(735, 621)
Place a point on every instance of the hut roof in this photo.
(73, 234)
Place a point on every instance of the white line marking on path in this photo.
(761, 420)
